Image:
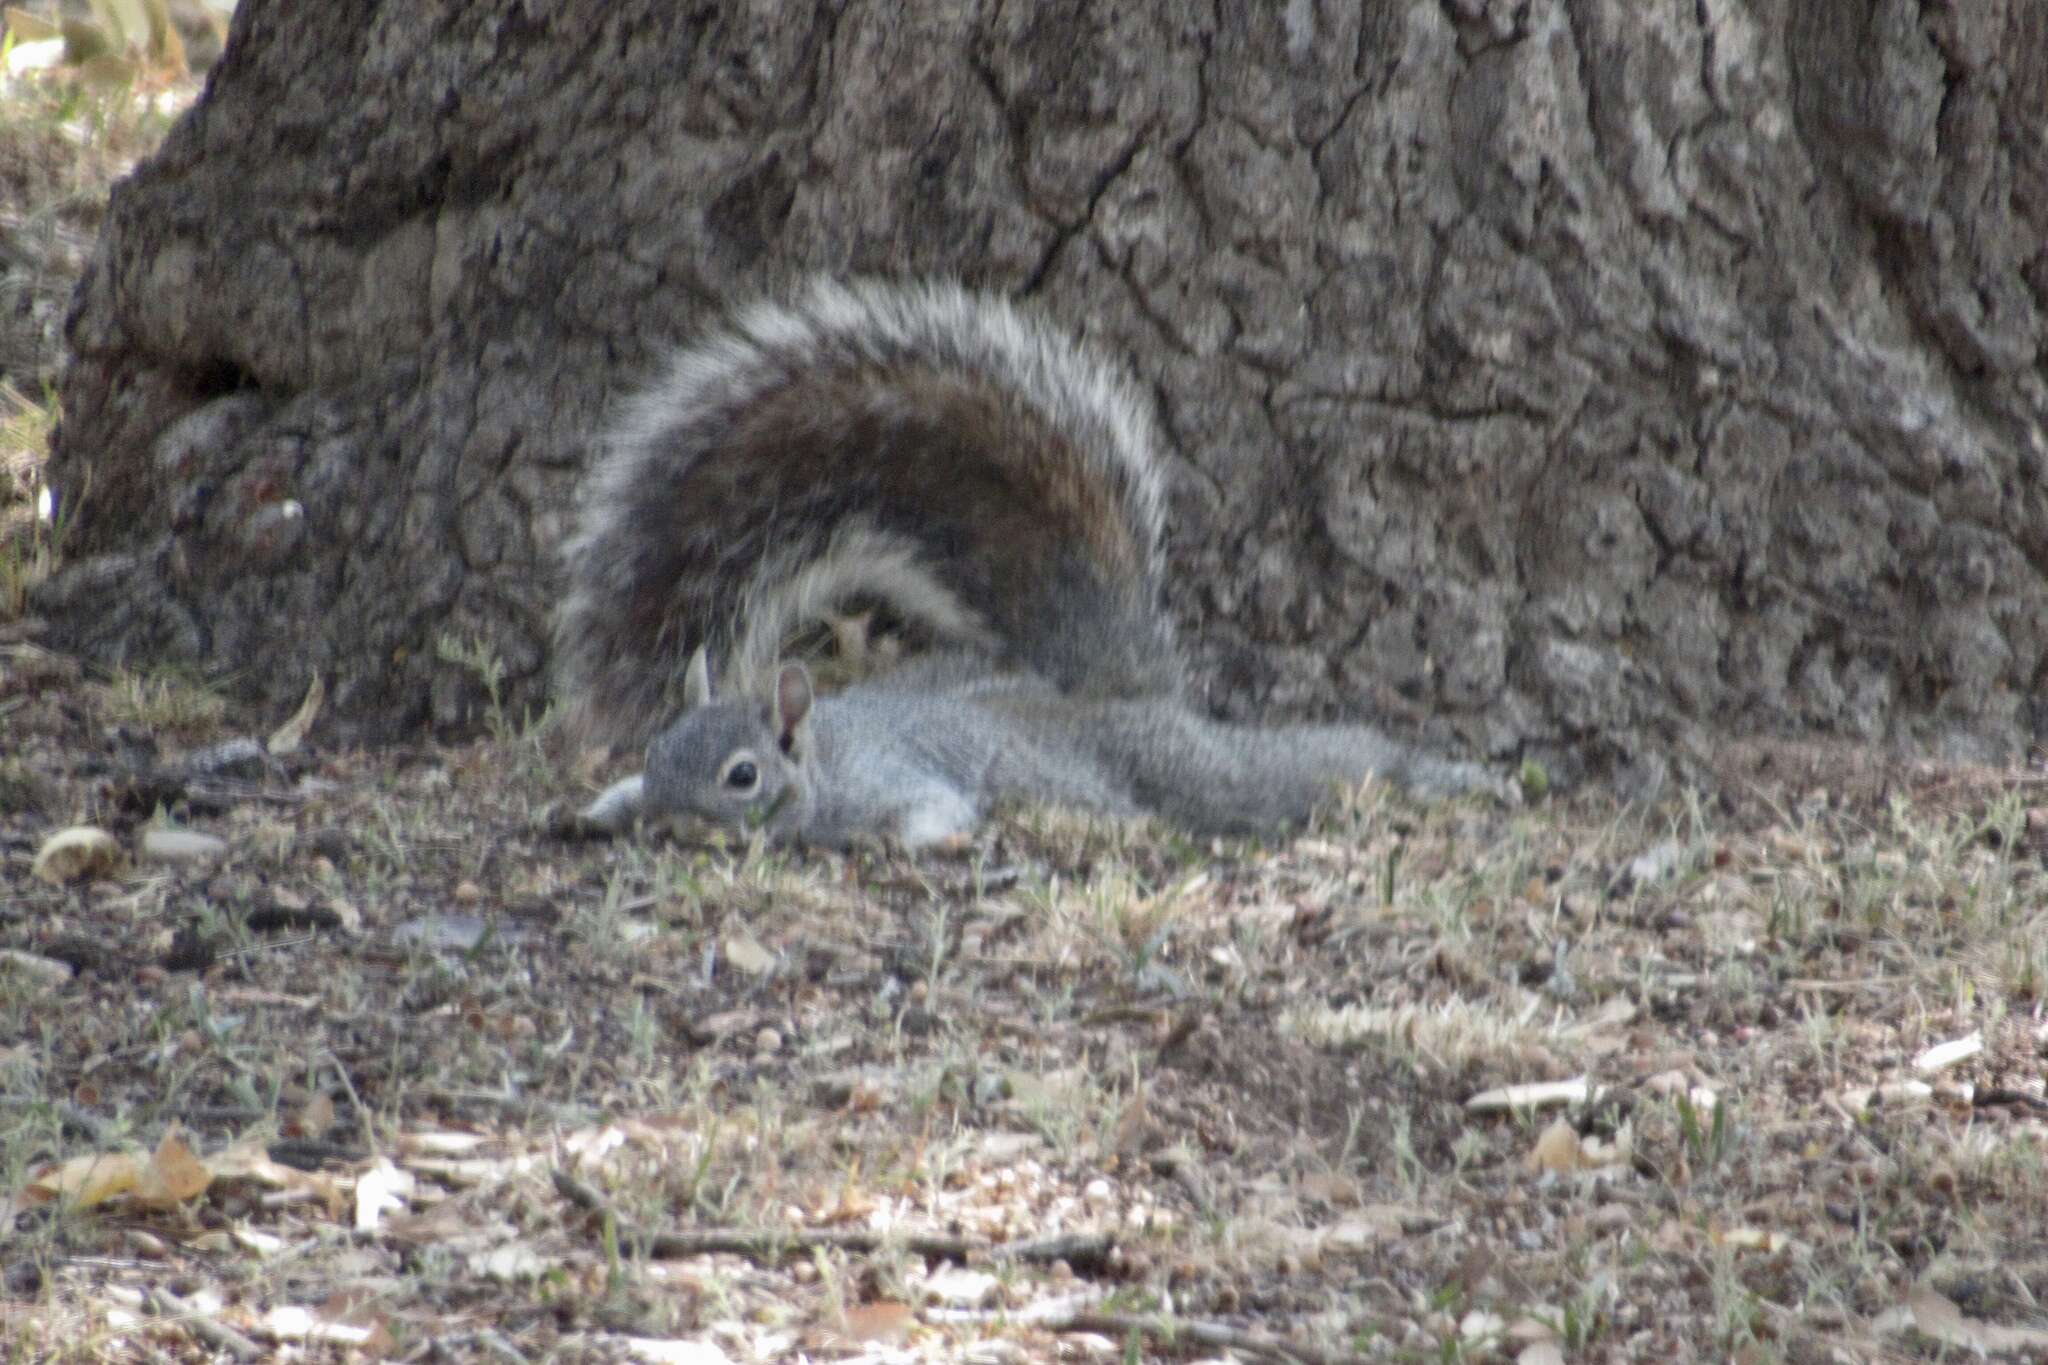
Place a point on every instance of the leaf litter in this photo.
(1077, 1086)
(348, 1054)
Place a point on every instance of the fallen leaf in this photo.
(76, 853)
(174, 1174)
(1557, 1150)
(885, 1323)
(288, 736)
(317, 1117)
(88, 1180)
(250, 1160)
(747, 955)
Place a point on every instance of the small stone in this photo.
(960, 1287)
(454, 933)
(44, 971)
(181, 846)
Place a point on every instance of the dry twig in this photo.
(1159, 1329)
(772, 1244)
(216, 1334)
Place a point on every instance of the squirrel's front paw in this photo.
(940, 817)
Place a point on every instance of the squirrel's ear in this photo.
(793, 710)
(697, 681)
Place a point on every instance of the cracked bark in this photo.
(1581, 378)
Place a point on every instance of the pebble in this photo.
(181, 846)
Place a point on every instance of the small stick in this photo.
(1158, 1328)
(168, 1305)
(769, 1244)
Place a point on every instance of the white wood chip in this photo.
(1533, 1095)
(181, 846)
(1949, 1053)
(660, 1352)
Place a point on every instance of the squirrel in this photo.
(993, 486)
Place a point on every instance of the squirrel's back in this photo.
(922, 448)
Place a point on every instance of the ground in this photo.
(402, 1060)
(401, 1068)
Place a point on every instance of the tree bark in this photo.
(1589, 379)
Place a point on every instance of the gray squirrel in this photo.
(992, 486)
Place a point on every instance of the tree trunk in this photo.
(1587, 378)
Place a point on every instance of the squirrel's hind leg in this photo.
(618, 805)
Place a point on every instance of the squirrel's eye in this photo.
(742, 776)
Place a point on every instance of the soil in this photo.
(460, 1084)
(398, 1068)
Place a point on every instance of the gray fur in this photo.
(919, 766)
(986, 480)
(724, 510)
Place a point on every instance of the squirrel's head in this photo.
(740, 763)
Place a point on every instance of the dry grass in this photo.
(63, 140)
(30, 539)
(403, 1069)
(1237, 1076)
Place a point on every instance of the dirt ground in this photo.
(396, 1068)
(343, 1055)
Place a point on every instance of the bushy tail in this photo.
(1215, 778)
(920, 448)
